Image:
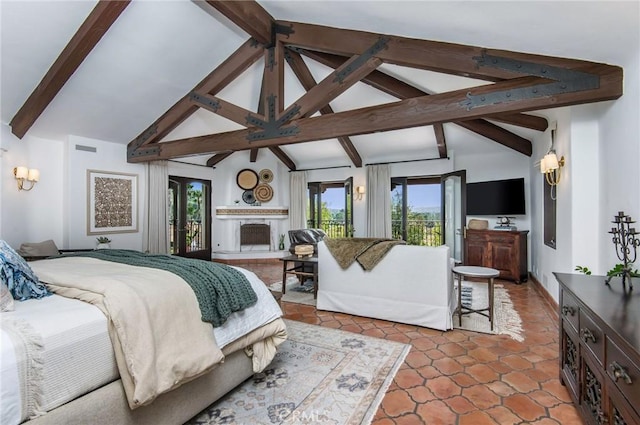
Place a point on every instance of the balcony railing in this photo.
(419, 232)
(194, 236)
(333, 228)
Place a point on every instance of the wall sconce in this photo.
(359, 192)
(550, 165)
(29, 174)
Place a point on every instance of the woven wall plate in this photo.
(248, 197)
(247, 179)
(266, 175)
(263, 192)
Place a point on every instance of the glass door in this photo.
(190, 217)
(454, 212)
(331, 207)
(348, 207)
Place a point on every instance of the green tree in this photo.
(194, 203)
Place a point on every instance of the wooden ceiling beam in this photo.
(81, 44)
(401, 90)
(249, 16)
(426, 110)
(283, 157)
(448, 58)
(522, 120)
(223, 108)
(308, 82)
(441, 142)
(336, 83)
(215, 159)
(394, 87)
(273, 81)
(219, 78)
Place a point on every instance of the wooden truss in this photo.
(519, 83)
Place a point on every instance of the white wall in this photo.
(620, 152)
(600, 178)
(35, 215)
(110, 157)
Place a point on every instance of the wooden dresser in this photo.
(503, 250)
(600, 348)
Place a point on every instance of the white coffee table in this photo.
(475, 272)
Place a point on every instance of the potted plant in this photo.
(103, 242)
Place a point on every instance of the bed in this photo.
(65, 358)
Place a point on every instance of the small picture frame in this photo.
(112, 202)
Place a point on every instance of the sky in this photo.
(419, 196)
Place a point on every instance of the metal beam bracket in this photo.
(273, 133)
(362, 59)
(277, 28)
(146, 135)
(273, 127)
(211, 104)
(566, 81)
(147, 151)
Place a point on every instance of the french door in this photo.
(331, 207)
(190, 217)
(454, 212)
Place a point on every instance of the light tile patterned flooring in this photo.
(461, 377)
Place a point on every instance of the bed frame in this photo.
(108, 405)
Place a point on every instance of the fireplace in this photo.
(252, 234)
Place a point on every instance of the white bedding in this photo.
(242, 322)
(77, 355)
(76, 352)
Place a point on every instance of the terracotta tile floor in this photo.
(461, 377)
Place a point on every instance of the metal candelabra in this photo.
(626, 242)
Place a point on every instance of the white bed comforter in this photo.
(158, 339)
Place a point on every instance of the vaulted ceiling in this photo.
(206, 79)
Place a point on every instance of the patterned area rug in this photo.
(296, 293)
(319, 375)
(506, 320)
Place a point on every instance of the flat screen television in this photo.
(497, 197)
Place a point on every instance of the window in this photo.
(416, 210)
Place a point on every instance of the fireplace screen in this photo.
(255, 234)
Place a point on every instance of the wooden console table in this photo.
(504, 250)
(600, 348)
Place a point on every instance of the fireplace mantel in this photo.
(237, 212)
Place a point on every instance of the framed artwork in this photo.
(112, 202)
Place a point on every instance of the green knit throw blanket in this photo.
(220, 289)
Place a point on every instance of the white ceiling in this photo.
(157, 51)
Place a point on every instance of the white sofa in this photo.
(411, 284)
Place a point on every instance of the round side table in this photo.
(477, 272)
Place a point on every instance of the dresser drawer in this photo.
(624, 373)
(591, 336)
(569, 310)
